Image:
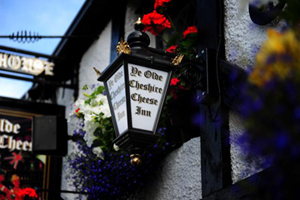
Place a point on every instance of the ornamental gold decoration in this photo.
(135, 159)
(97, 71)
(177, 60)
(123, 47)
(139, 21)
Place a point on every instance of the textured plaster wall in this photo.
(243, 39)
(179, 176)
(98, 56)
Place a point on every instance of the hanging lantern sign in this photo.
(136, 84)
(146, 87)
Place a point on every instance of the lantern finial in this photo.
(139, 25)
(138, 38)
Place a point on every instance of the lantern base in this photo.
(136, 143)
(135, 159)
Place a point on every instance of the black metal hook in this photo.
(264, 17)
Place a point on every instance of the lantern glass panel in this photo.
(146, 90)
(116, 89)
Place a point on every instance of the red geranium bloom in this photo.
(155, 23)
(172, 49)
(160, 3)
(77, 110)
(28, 191)
(174, 81)
(191, 29)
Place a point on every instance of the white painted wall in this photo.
(98, 56)
(243, 39)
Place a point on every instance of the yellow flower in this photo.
(274, 43)
(278, 57)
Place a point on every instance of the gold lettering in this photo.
(140, 99)
(135, 71)
(16, 128)
(49, 68)
(30, 146)
(11, 143)
(140, 111)
(19, 145)
(14, 62)
(8, 126)
(150, 88)
(2, 125)
(24, 146)
(121, 115)
(38, 67)
(153, 75)
(118, 75)
(2, 141)
(8, 142)
(3, 60)
(28, 65)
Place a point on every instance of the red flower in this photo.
(191, 29)
(155, 23)
(77, 110)
(174, 81)
(160, 3)
(172, 49)
(28, 191)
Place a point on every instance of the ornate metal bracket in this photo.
(261, 17)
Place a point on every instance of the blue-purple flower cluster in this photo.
(114, 177)
(271, 117)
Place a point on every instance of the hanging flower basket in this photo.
(98, 167)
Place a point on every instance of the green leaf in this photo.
(187, 43)
(86, 95)
(85, 87)
(173, 40)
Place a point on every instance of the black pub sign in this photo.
(30, 134)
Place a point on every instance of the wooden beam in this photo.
(215, 148)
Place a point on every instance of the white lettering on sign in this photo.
(146, 95)
(27, 65)
(116, 90)
(7, 127)
(8, 141)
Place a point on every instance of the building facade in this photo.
(179, 174)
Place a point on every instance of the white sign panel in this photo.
(146, 95)
(116, 89)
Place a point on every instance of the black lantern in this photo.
(136, 84)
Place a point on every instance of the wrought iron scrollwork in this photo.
(261, 17)
(193, 74)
